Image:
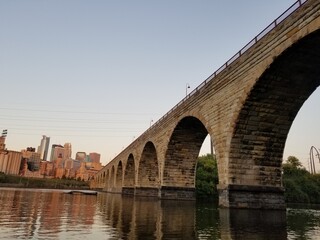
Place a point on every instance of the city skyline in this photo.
(82, 73)
(30, 162)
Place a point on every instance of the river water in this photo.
(52, 214)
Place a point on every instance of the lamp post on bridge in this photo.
(187, 86)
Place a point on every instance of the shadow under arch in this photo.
(104, 180)
(107, 181)
(96, 183)
(264, 121)
(129, 176)
(181, 158)
(118, 183)
(148, 172)
(111, 184)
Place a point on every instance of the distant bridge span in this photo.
(247, 107)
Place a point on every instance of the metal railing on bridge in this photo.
(257, 38)
(264, 32)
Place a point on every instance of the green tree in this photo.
(294, 162)
(207, 176)
(300, 186)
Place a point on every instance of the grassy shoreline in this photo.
(46, 183)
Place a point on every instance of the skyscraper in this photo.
(57, 150)
(95, 157)
(44, 147)
(81, 156)
(67, 150)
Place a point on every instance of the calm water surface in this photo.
(50, 214)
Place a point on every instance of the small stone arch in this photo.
(129, 173)
(107, 179)
(148, 173)
(112, 178)
(118, 182)
(182, 153)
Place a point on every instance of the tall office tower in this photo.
(95, 157)
(67, 151)
(44, 147)
(81, 156)
(57, 150)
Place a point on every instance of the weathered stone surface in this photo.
(128, 190)
(182, 193)
(146, 192)
(255, 197)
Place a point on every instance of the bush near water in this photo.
(300, 186)
(207, 177)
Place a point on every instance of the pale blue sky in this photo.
(95, 73)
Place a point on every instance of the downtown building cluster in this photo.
(32, 162)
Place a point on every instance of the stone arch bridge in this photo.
(247, 107)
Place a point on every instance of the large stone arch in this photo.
(129, 176)
(148, 173)
(181, 157)
(264, 121)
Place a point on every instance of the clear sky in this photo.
(97, 73)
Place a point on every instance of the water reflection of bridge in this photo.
(151, 218)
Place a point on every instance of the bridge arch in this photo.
(118, 183)
(100, 181)
(129, 172)
(112, 178)
(182, 153)
(103, 179)
(97, 181)
(148, 171)
(107, 180)
(269, 109)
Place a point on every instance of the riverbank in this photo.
(49, 183)
(300, 186)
